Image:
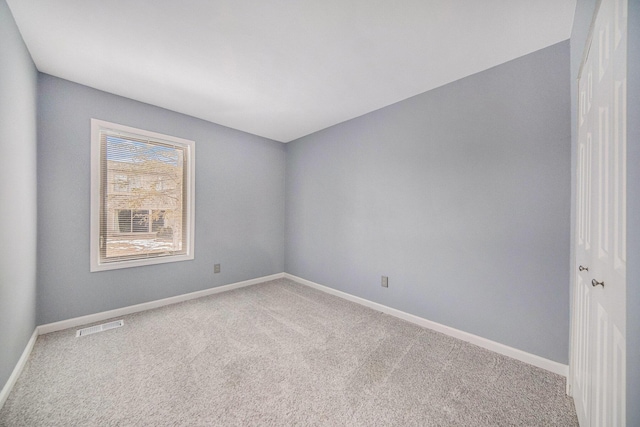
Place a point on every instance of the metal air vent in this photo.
(99, 328)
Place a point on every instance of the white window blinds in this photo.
(144, 198)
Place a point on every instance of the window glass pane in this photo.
(144, 198)
(124, 221)
(140, 222)
(121, 183)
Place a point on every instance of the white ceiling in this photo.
(281, 68)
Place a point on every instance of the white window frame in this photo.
(96, 264)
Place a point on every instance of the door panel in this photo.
(598, 358)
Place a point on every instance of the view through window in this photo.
(144, 197)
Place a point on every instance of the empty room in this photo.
(414, 213)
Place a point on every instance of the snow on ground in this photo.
(137, 246)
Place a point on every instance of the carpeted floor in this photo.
(277, 353)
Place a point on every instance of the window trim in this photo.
(189, 146)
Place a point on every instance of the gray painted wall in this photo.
(581, 25)
(239, 205)
(633, 218)
(460, 195)
(18, 114)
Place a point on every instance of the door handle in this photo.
(581, 268)
(595, 283)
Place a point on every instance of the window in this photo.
(121, 183)
(142, 197)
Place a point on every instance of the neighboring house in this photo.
(144, 207)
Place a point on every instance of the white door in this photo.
(599, 309)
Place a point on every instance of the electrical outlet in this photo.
(216, 268)
(385, 282)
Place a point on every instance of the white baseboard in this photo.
(98, 317)
(523, 356)
(4, 394)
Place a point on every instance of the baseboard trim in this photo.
(4, 394)
(98, 317)
(523, 356)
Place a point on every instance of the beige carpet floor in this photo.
(274, 354)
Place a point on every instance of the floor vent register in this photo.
(99, 328)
